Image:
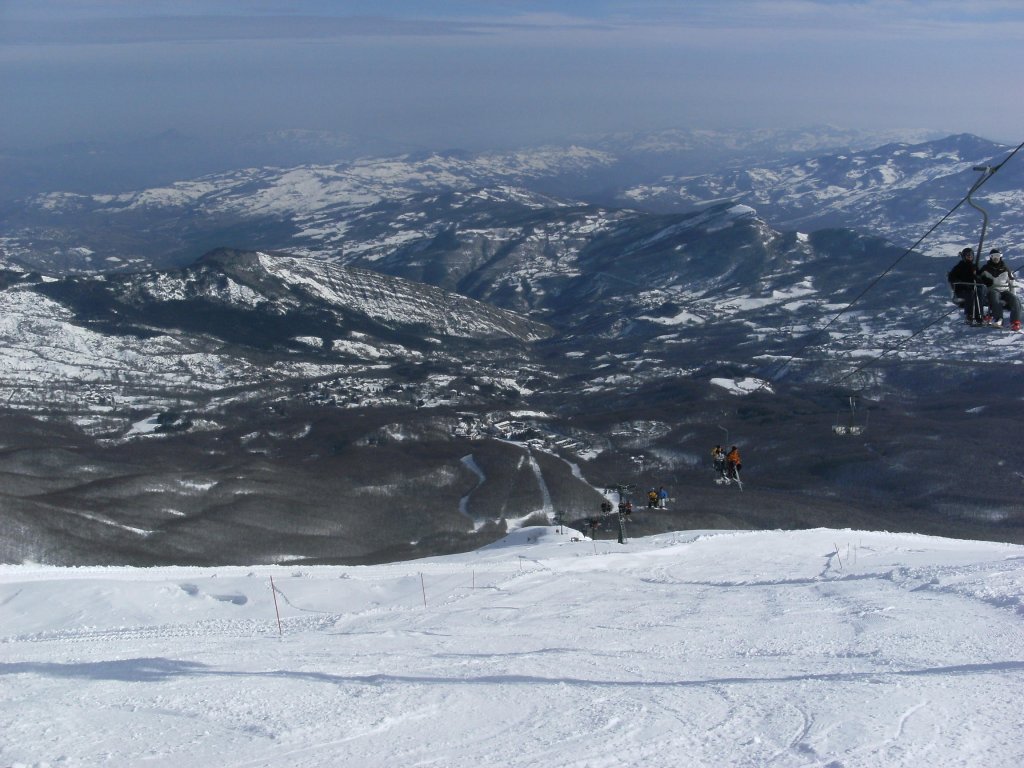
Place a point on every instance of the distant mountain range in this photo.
(896, 191)
(398, 355)
(142, 162)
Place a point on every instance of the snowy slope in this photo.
(815, 648)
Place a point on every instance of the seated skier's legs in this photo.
(1013, 304)
(995, 305)
(971, 299)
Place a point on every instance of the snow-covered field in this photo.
(830, 648)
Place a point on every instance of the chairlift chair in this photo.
(852, 425)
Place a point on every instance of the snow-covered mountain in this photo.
(693, 648)
(188, 330)
(704, 150)
(285, 290)
(302, 209)
(897, 191)
(444, 329)
(192, 394)
(256, 403)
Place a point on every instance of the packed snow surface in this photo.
(811, 648)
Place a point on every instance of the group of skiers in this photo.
(990, 286)
(657, 498)
(727, 465)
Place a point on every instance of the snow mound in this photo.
(536, 534)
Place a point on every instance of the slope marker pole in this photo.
(273, 591)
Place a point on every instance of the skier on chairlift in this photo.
(733, 463)
(968, 289)
(718, 460)
(999, 279)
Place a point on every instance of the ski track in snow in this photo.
(836, 649)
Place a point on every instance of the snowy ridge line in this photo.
(307, 190)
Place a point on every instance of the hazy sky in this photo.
(498, 73)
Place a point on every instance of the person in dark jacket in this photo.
(718, 460)
(999, 280)
(968, 290)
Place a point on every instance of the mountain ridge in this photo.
(319, 210)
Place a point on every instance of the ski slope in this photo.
(830, 648)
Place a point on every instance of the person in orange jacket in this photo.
(733, 462)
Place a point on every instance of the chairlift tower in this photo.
(621, 489)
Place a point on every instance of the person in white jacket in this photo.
(999, 279)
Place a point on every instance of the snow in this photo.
(146, 426)
(682, 318)
(742, 386)
(745, 304)
(808, 648)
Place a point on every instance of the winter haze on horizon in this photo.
(477, 75)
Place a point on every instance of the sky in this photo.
(494, 74)
(731, 648)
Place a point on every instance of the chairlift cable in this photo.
(893, 347)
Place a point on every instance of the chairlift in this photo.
(852, 424)
(962, 301)
(986, 171)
